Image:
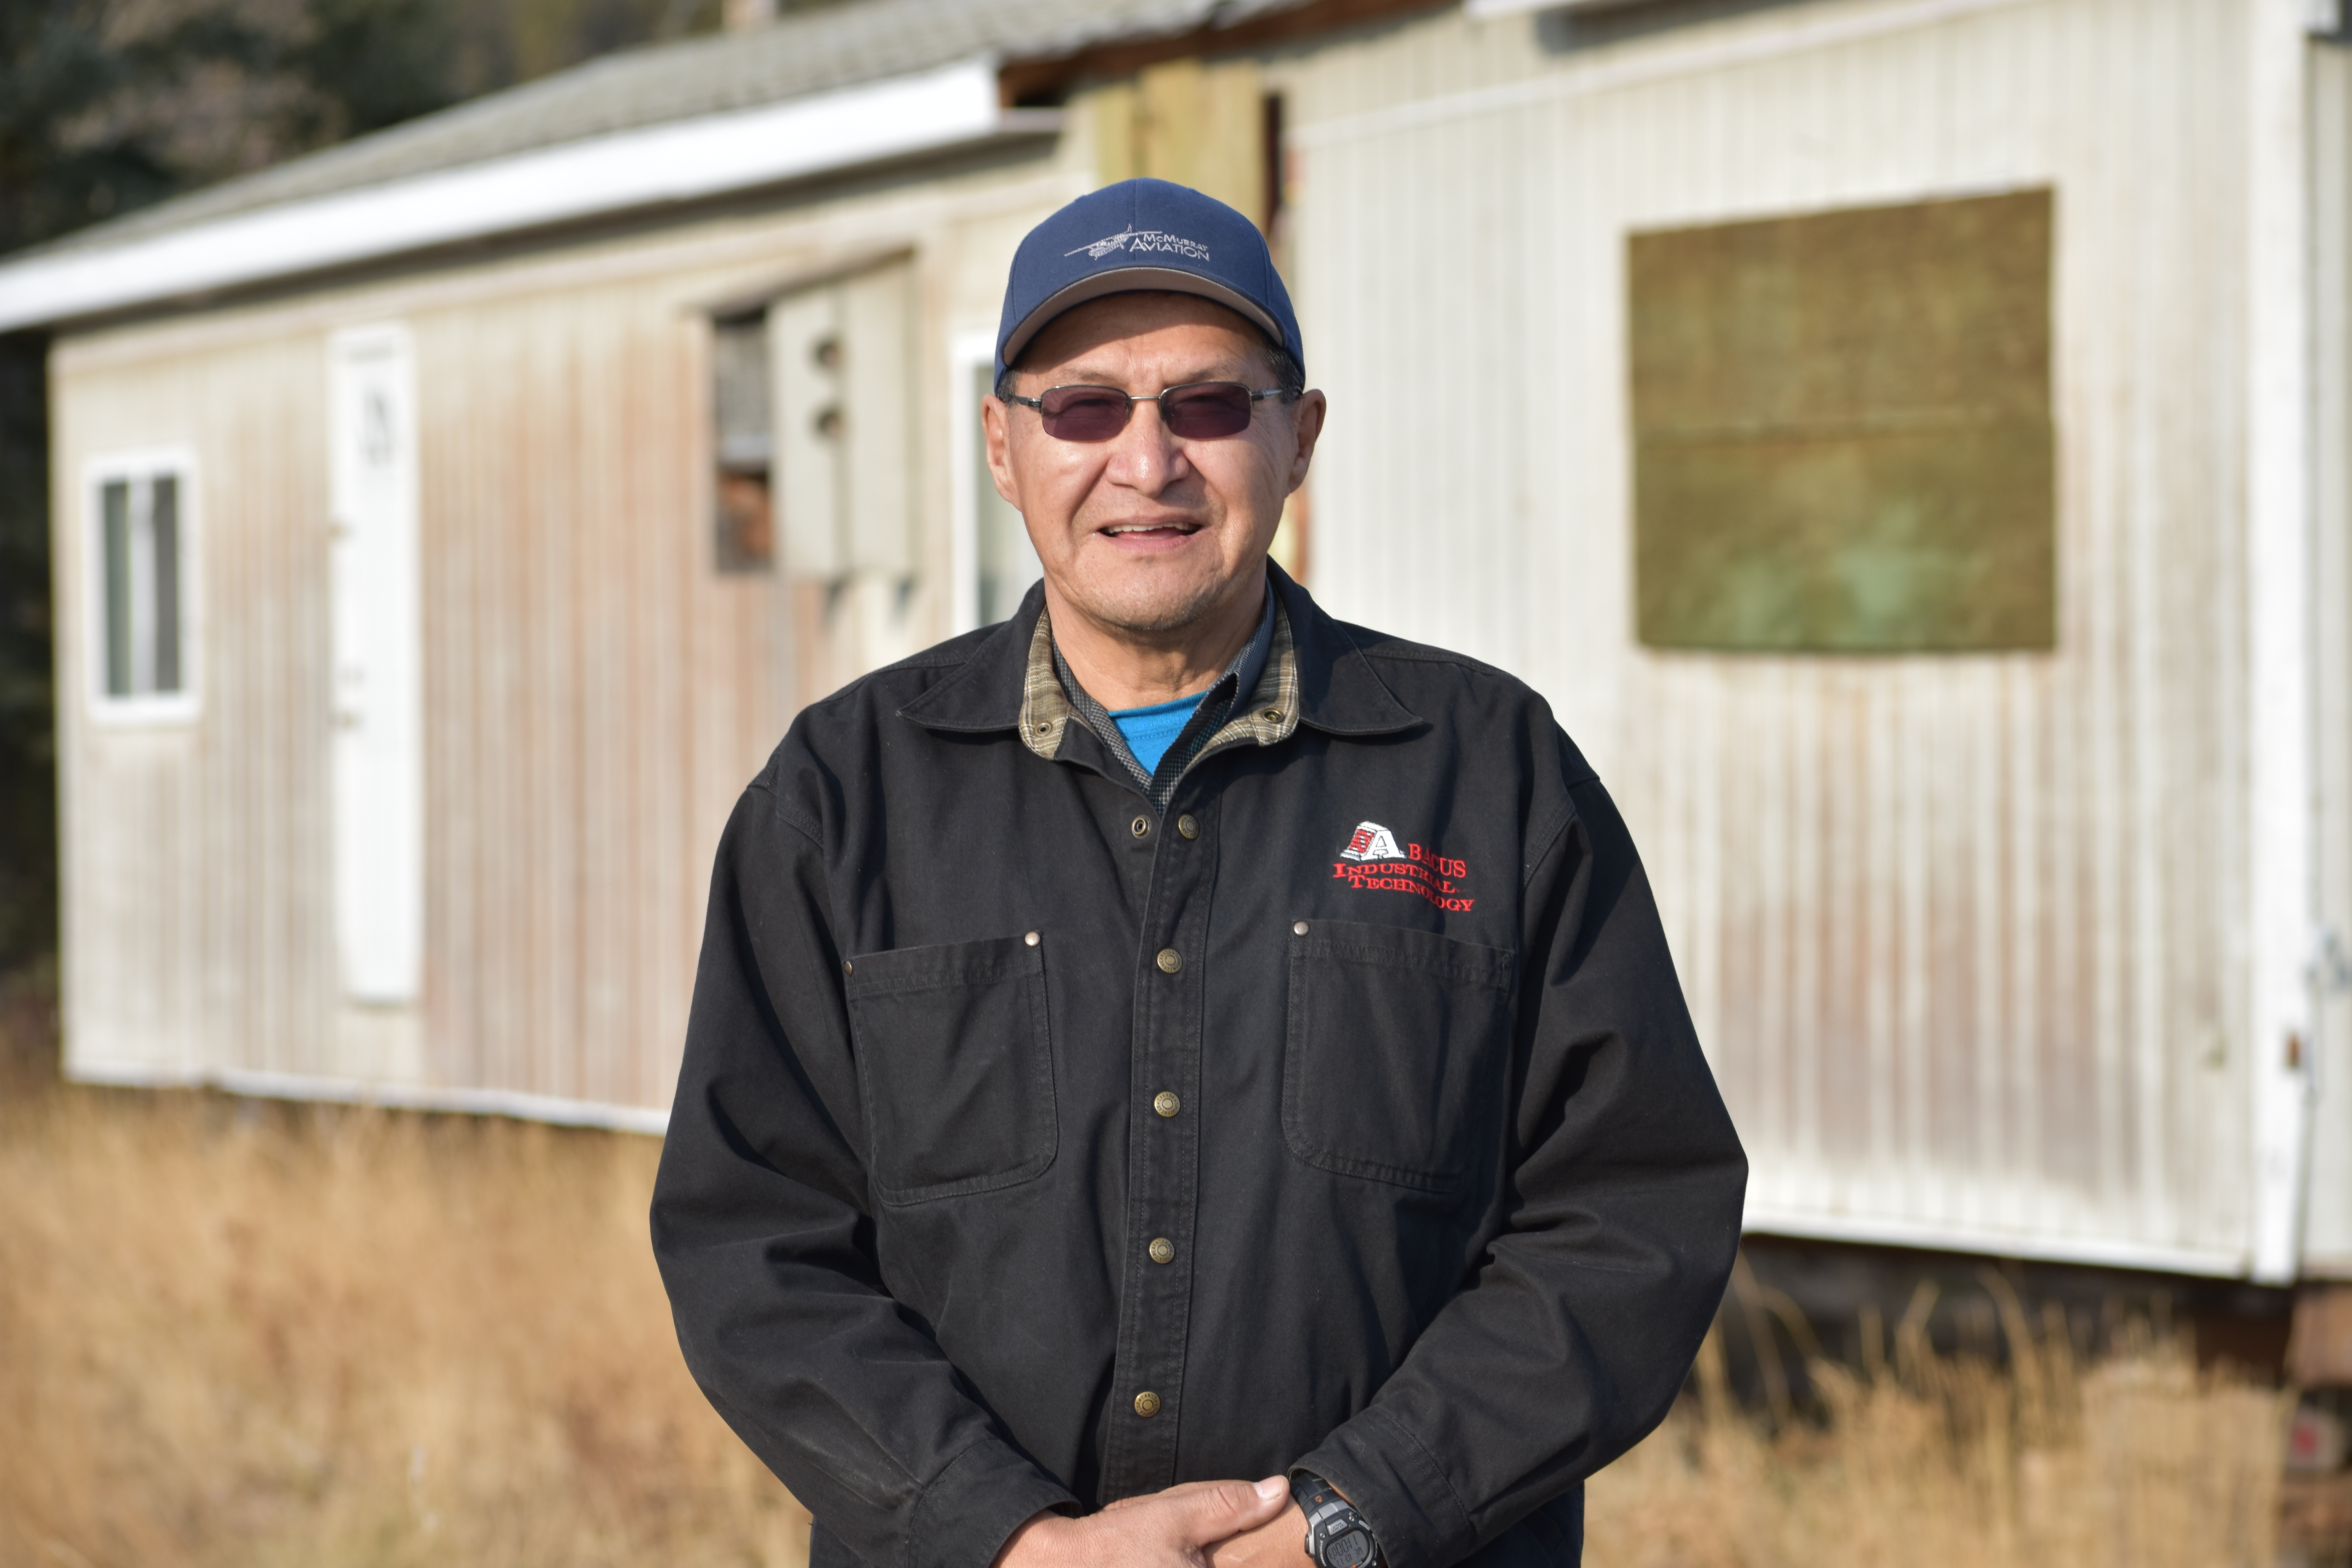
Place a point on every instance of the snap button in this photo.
(1147, 1404)
(1032, 938)
(1189, 828)
(1299, 928)
(847, 967)
(1139, 827)
(1163, 1250)
(1274, 715)
(1170, 961)
(1166, 1103)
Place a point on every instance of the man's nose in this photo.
(1144, 456)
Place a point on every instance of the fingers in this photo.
(1274, 1544)
(1209, 1512)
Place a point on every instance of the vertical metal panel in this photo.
(1965, 934)
(877, 311)
(2327, 1233)
(848, 421)
(2280, 844)
(804, 332)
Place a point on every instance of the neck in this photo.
(1122, 668)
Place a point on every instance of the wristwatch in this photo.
(1337, 1535)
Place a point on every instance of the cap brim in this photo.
(1134, 281)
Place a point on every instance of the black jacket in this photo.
(1446, 1192)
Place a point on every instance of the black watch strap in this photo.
(1337, 1535)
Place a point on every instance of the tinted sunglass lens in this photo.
(1207, 413)
(1083, 414)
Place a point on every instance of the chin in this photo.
(1148, 608)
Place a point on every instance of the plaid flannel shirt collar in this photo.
(1270, 714)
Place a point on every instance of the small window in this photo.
(745, 441)
(1842, 439)
(141, 565)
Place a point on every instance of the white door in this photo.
(379, 758)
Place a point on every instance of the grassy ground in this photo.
(265, 1335)
(242, 1333)
(2138, 1462)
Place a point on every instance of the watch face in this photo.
(1348, 1548)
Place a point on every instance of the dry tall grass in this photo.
(260, 1335)
(2139, 1461)
(264, 1335)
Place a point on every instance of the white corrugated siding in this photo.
(2327, 1236)
(597, 694)
(1963, 934)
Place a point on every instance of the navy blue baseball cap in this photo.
(1143, 235)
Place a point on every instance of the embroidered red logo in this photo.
(1372, 863)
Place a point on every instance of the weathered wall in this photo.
(596, 691)
(1963, 931)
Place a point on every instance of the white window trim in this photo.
(186, 705)
(966, 350)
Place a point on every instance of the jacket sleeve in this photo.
(761, 1230)
(1626, 1184)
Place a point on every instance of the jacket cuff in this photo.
(971, 1508)
(1398, 1487)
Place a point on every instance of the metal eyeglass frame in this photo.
(1159, 397)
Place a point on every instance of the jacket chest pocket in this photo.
(1398, 1049)
(955, 1066)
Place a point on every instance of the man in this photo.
(1172, 1038)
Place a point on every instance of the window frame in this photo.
(738, 563)
(970, 352)
(135, 466)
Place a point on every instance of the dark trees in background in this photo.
(28, 854)
(109, 105)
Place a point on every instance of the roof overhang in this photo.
(1510, 7)
(685, 160)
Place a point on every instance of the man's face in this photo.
(1148, 533)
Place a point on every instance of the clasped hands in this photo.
(1201, 1524)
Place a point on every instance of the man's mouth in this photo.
(1153, 530)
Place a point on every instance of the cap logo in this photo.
(1140, 240)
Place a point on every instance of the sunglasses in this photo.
(1197, 411)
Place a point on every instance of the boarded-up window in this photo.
(1841, 432)
(745, 439)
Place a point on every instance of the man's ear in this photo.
(1306, 423)
(996, 429)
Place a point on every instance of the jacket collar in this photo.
(1338, 692)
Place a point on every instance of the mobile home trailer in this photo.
(1905, 440)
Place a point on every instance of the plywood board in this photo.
(1842, 429)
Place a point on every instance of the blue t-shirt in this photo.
(1150, 731)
